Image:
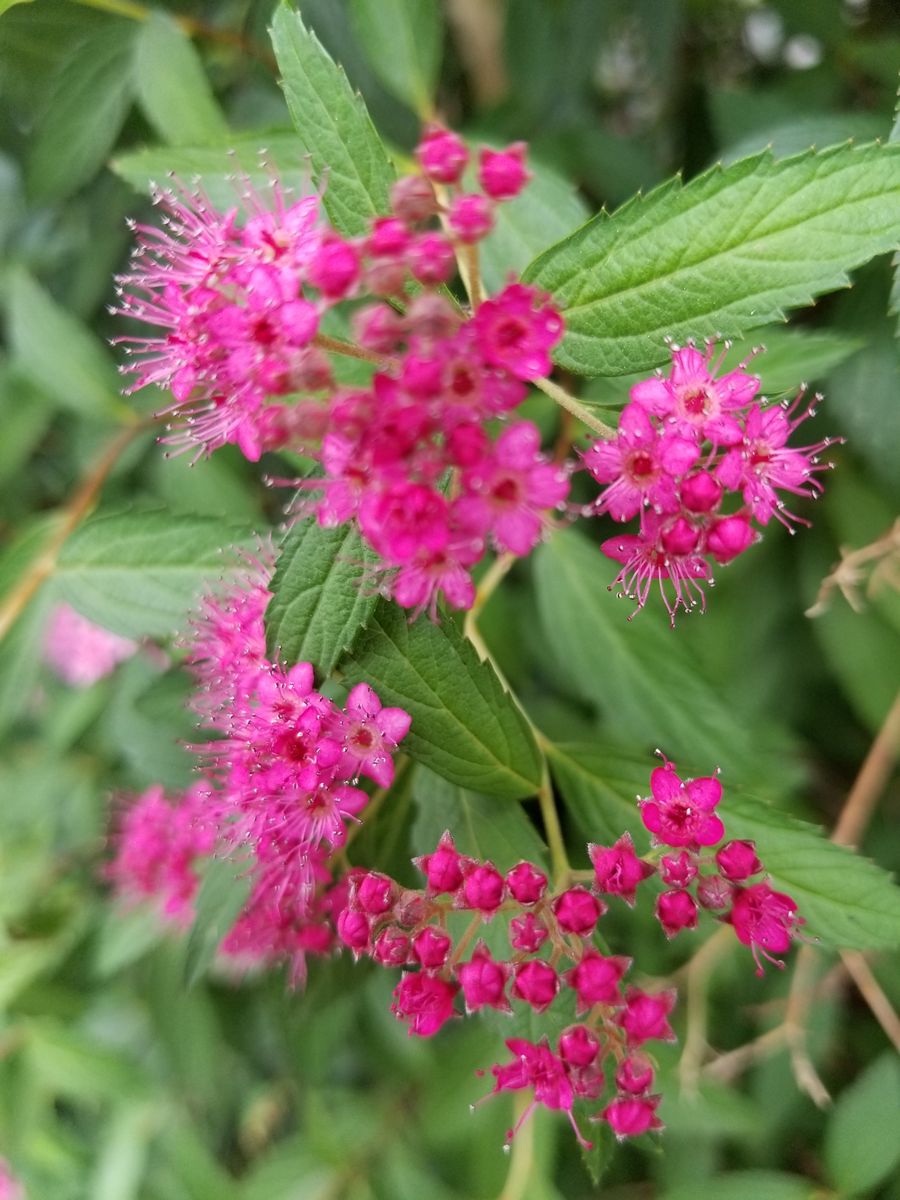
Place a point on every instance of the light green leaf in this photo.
(481, 826)
(402, 41)
(139, 573)
(348, 160)
(810, 131)
(465, 725)
(320, 599)
(87, 109)
(862, 1138)
(749, 1185)
(223, 892)
(725, 253)
(57, 352)
(123, 1150)
(172, 86)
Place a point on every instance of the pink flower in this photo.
(369, 734)
(634, 1075)
(443, 870)
(517, 329)
(483, 981)
(630, 1116)
(617, 868)
(373, 893)
(579, 1046)
(527, 933)
(483, 888)
(694, 401)
(354, 929)
(678, 870)
(646, 561)
(431, 947)
(681, 814)
(537, 1067)
(737, 860)
(81, 652)
(471, 218)
(392, 947)
(645, 1017)
(764, 920)
(424, 1001)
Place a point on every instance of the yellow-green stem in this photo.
(558, 858)
(521, 1157)
(567, 401)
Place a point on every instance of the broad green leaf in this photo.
(599, 785)
(172, 86)
(320, 598)
(549, 208)
(57, 352)
(348, 160)
(807, 132)
(862, 1137)
(88, 106)
(402, 41)
(139, 573)
(465, 725)
(481, 826)
(222, 894)
(749, 1185)
(727, 252)
(648, 684)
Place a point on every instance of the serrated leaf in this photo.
(139, 573)
(862, 1138)
(348, 159)
(465, 725)
(319, 597)
(402, 42)
(649, 685)
(79, 373)
(482, 826)
(727, 252)
(598, 784)
(222, 894)
(92, 94)
(172, 86)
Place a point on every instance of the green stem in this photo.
(552, 828)
(567, 401)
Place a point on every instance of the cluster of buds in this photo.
(240, 302)
(686, 443)
(550, 958)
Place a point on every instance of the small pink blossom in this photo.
(81, 652)
(681, 814)
(483, 889)
(595, 979)
(443, 870)
(517, 329)
(630, 1116)
(676, 911)
(471, 218)
(537, 1067)
(536, 983)
(483, 981)
(678, 870)
(645, 1017)
(425, 1001)
(442, 155)
(737, 860)
(526, 884)
(369, 735)
(527, 933)
(577, 911)
(694, 400)
(502, 173)
(765, 920)
(391, 947)
(431, 947)
(634, 1075)
(617, 869)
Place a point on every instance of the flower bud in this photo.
(634, 1075)
(483, 981)
(431, 947)
(443, 870)
(527, 933)
(700, 493)
(353, 930)
(442, 155)
(737, 860)
(676, 911)
(391, 947)
(577, 911)
(729, 537)
(413, 199)
(536, 983)
(502, 173)
(630, 1116)
(579, 1046)
(483, 889)
(430, 259)
(471, 218)
(595, 979)
(714, 892)
(526, 883)
(678, 870)
(334, 268)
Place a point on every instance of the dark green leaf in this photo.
(862, 1138)
(465, 725)
(320, 599)
(402, 41)
(348, 159)
(727, 252)
(599, 785)
(172, 86)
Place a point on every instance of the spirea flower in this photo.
(81, 652)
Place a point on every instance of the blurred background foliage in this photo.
(117, 1080)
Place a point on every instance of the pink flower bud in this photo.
(526, 883)
(430, 259)
(631, 1116)
(374, 893)
(378, 327)
(385, 277)
(737, 860)
(443, 870)
(431, 947)
(579, 1046)
(646, 1015)
(681, 537)
(353, 930)
(483, 981)
(413, 199)
(471, 218)
(502, 173)
(634, 1075)
(678, 870)
(527, 933)
(334, 268)
(432, 316)
(422, 377)
(425, 1001)
(442, 155)
(714, 892)
(595, 979)
(389, 236)
(700, 493)
(483, 888)
(391, 947)
(577, 911)
(676, 911)
(411, 908)
(729, 537)
(617, 868)
(536, 983)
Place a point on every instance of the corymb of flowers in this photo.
(432, 461)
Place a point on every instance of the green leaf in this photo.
(402, 41)
(223, 892)
(57, 352)
(598, 784)
(172, 86)
(319, 595)
(749, 1185)
(649, 685)
(481, 826)
(465, 725)
(846, 900)
(348, 159)
(90, 100)
(139, 573)
(862, 1138)
(818, 130)
(725, 253)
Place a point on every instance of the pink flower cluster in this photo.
(281, 783)
(240, 305)
(685, 443)
(81, 652)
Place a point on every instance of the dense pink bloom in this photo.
(537, 1067)
(647, 561)
(694, 400)
(617, 868)
(369, 735)
(483, 981)
(681, 813)
(81, 652)
(764, 920)
(630, 1116)
(424, 1001)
